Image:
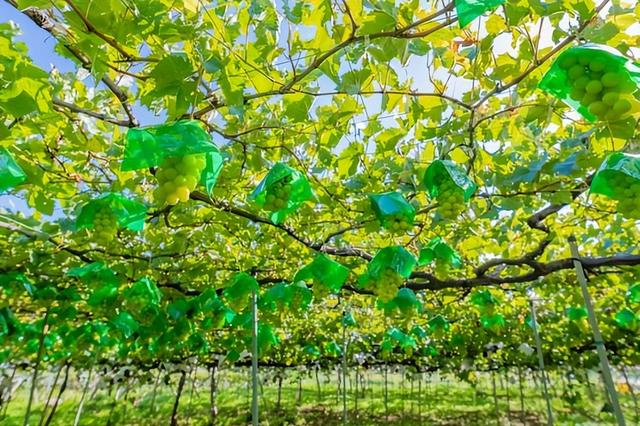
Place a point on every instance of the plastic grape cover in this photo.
(468, 10)
(11, 174)
(96, 272)
(617, 163)
(148, 147)
(396, 258)
(437, 249)
(390, 204)
(300, 190)
(443, 170)
(324, 270)
(483, 299)
(558, 83)
(131, 214)
(626, 318)
(242, 284)
(406, 300)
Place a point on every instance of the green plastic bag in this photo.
(440, 251)
(130, 214)
(239, 291)
(287, 296)
(484, 300)
(94, 273)
(387, 270)
(326, 275)
(275, 298)
(125, 323)
(11, 174)
(144, 291)
(333, 349)
(16, 281)
(633, 294)
(576, 313)
(103, 296)
(405, 302)
(348, 320)
(311, 350)
(626, 318)
(468, 10)
(147, 147)
(419, 332)
(595, 80)
(449, 184)
(266, 338)
(393, 211)
(494, 322)
(405, 341)
(150, 146)
(438, 325)
(619, 178)
(282, 191)
(8, 323)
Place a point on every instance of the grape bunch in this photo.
(386, 285)
(177, 177)
(277, 197)
(628, 194)
(398, 224)
(450, 199)
(601, 87)
(105, 224)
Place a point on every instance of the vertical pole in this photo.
(386, 392)
(597, 337)
(495, 397)
(254, 358)
(34, 380)
(344, 368)
(534, 323)
(521, 394)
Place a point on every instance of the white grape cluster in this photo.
(178, 177)
(601, 87)
(387, 284)
(398, 223)
(278, 194)
(628, 195)
(450, 199)
(105, 224)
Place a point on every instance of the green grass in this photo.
(440, 402)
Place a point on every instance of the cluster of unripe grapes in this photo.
(450, 199)
(278, 194)
(600, 86)
(105, 224)
(628, 194)
(398, 223)
(386, 286)
(178, 177)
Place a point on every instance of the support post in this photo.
(254, 358)
(344, 368)
(534, 323)
(597, 337)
